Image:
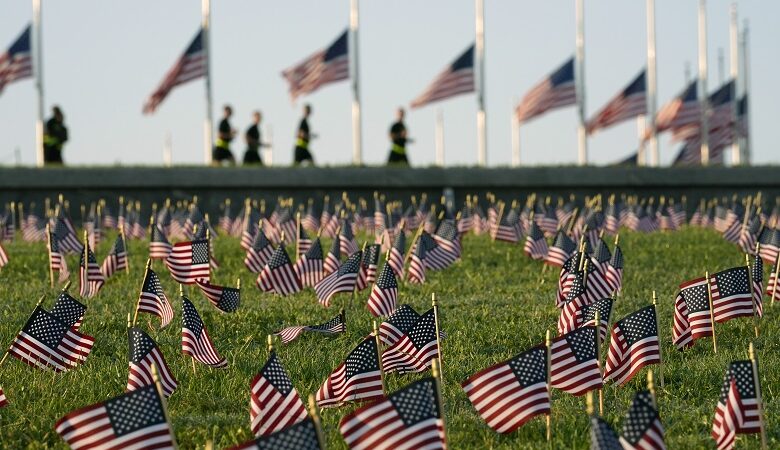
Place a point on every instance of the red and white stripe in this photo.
(140, 375)
(338, 389)
(570, 375)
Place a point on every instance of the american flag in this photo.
(3, 399)
(596, 281)
(259, 252)
(191, 65)
(436, 258)
(17, 63)
(334, 326)
(274, 402)
(91, 279)
(601, 256)
(384, 295)
(511, 393)
(416, 271)
(152, 299)
(634, 344)
(144, 353)
(738, 409)
(57, 261)
(772, 288)
(549, 221)
(642, 427)
(602, 436)
(304, 242)
(448, 240)
(325, 66)
(195, 340)
(358, 378)
(132, 420)
(416, 349)
(301, 436)
(457, 78)
(588, 316)
(506, 229)
(347, 238)
(614, 273)
(757, 276)
(748, 235)
(3, 256)
(574, 364)
(189, 261)
(629, 103)
(769, 239)
(400, 322)
(396, 257)
(691, 313)
(333, 259)
(555, 91)
(561, 250)
(731, 294)
(380, 215)
(409, 418)
(535, 245)
(224, 298)
(368, 266)
(47, 342)
(721, 115)
(309, 267)
(69, 310)
(159, 247)
(278, 275)
(309, 221)
(576, 299)
(342, 280)
(116, 259)
(682, 111)
(66, 237)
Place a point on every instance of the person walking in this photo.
(55, 135)
(302, 153)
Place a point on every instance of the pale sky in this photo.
(102, 59)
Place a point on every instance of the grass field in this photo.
(494, 304)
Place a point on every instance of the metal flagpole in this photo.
(37, 46)
(269, 153)
(515, 135)
(479, 63)
(651, 86)
(703, 95)
(357, 148)
(736, 155)
(439, 138)
(579, 80)
(745, 92)
(206, 42)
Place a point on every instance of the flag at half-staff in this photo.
(16, 63)
(143, 354)
(574, 364)
(192, 65)
(152, 299)
(629, 103)
(358, 378)
(409, 418)
(416, 349)
(682, 111)
(310, 266)
(195, 339)
(325, 66)
(278, 275)
(69, 310)
(555, 91)
(731, 294)
(116, 259)
(458, 78)
(136, 419)
(692, 313)
(274, 402)
(334, 326)
(634, 344)
(159, 247)
(512, 392)
(642, 427)
(258, 252)
(224, 298)
(384, 295)
(342, 280)
(91, 279)
(189, 261)
(739, 406)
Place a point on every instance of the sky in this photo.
(102, 59)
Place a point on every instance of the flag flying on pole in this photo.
(731, 294)
(331, 327)
(384, 295)
(342, 280)
(195, 340)
(396, 257)
(159, 247)
(682, 111)
(143, 353)
(3, 399)
(555, 91)
(57, 261)
(602, 436)
(258, 252)
(91, 279)
(629, 103)
(325, 66)
(457, 78)
(274, 402)
(191, 65)
(310, 267)
(358, 378)
(17, 62)
(398, 324)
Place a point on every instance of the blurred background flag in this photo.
(456, 79)
(325, 66)
(555, 91)
(629, 103)
(16, 63)
(190, 66)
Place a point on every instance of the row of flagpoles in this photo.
(714, 123)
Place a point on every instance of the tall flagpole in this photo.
(736, 154)
(37, 45)
(703, 95)
(357, 147)
(480, 80)
(652, 98)
(579, 81)
(746, 91)
(208, 123)
(439, 136)
(515, 135)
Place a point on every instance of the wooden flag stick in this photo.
(651, 386)
(297, 236)
(40, 300)
(208, 248)
(548, 346)
(270, 343)
(379, 355)
(435, 305)
(129, 322)
(658, 330)
(48, 245)
(436, 372)
(752, 295)
(124, 244)
(712, 313)
(146, 273)
(84, 277)
(761, 419)
(315, 418)
(498, 221)
(597, 321)
(589, 403)
(163, 402)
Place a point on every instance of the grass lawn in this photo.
(494, 304)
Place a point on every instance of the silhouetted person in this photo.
(398, 141)
(254, 141)
(55, 135)
(225, 134)
(302, 153)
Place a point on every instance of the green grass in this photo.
(494, 304)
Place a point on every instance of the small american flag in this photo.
(691, 313)
(259, 252)
(629, 103)
(574, 365)
(224, 298)
(562, 249)
(278, 275)
(535, 245)
(309, 267)
(634, 344)
(91, 279)
(333, 326)
(347, 238)
(195, 340)
(143, 353)
(614, 272)
(304, 242)
(602, 436)
(3, 256)
(772, 287)
(448, 239)
(642, 427)
(132, 420)
(47, 342)
(358, 378)
(555, 91)
(324, 66)
(301, 436)
(152, 299)
(17, 62)
(738, 409)
(190, 261)
(400, 322)
(757, 276)
(416, 271)
(731, 294)
(396, 258)
(409, 418)
(509, 394)
(416, 349)
(309, 221)
(274, 402)
(116, 259)
(3, 399)
(159, 247)
(57, 261)
(69, 310)
(457, 78)
(368, 266)
(384, 295)
(342, 280)
(333, 259)
(191, 65)
(576, 299)
(604, 308)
